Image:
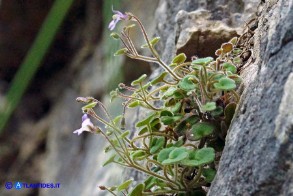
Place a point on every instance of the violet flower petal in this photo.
(116, 18)
(86, 125)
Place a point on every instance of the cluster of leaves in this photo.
(191, 106)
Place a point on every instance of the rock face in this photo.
(258, 159)
(186, 26)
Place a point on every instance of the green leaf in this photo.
(187, 83)
(155, 40)
(143, 131)
(237, 51)
(209, 174)
(155, 124)
(200, 130)
(225, 84)
(157, 144)
(236, 78)
(159, 79)
(217, 112)
(209, 106)
(149, 182)
(185, 123)
(179, 143)
(139, 80)
(137, 191)
(114, 35)
(180, 58)
(237, 60)
(170, 102)
(234, 40)
(176, 107)
(124, 134)
(229, 67)
(202, 61)
(117, 119)
(199, 157)
(176, 155)
(110, 160)
(166, 113)
(134, 104)
(146, 120)
(89, 106)
(164, 154)
(138, 155)
(120, 52)
(167, 120)
(170, 92)
(124, 185)
(145, 86)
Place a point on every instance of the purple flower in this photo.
(116, 18)
(86, 125)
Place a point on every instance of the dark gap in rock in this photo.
(134, 68)
(204, 44)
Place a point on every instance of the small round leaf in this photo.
(237, 60)
(175, 156)
(157, 144)
(209, 106)
(227, 47)
(218, 52)
(202, 61)
(209, 174)
(230, 67)
(167, 120)
(164, 154)
(199, 157)
(225, 84)
(187, 83)
(200, 130)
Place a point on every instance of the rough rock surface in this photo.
(178, 20)
(258, 159)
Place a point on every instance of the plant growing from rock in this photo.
(191, 105)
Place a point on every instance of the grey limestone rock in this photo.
(258, 156)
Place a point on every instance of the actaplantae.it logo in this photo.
(24, 185)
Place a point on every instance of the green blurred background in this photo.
(48, 50)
